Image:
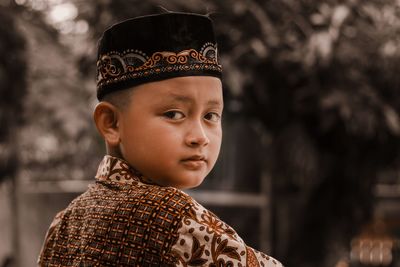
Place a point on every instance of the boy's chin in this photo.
(183, 187)
(188, 183)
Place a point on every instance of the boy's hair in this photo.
(120, 98)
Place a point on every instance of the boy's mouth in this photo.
(195, 157)
(194, 162)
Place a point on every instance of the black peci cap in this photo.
(154, 48)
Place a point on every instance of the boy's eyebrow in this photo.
(187, 99)
(180, 98)
(215, 103)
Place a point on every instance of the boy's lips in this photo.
(195, 157)
(194, 162)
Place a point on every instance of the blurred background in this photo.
(309, 170)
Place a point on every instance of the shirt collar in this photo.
(117, 170)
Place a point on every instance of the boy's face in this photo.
(171, 130)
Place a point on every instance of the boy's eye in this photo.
(212, 116)
(174, 115)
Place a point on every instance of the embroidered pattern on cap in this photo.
(115, 66)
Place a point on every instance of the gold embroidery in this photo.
(114, 66)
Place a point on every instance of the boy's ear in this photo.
(106, 117)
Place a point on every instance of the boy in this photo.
(160, 113)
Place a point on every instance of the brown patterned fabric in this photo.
(122, 220)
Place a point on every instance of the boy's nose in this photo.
(197, 136)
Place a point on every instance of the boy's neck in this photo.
(114, 152)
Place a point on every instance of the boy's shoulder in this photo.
(130, 201)
(118, 184)
(147, 217)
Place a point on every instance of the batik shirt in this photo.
(125, 220)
